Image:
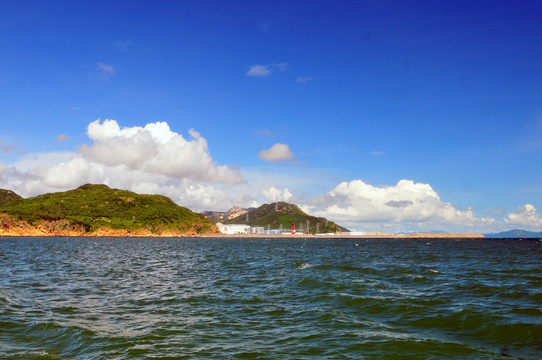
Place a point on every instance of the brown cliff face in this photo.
(58, 228)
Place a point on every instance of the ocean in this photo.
(224, 298)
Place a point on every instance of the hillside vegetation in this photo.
(7, 196)
(91, 208)
(281, 213)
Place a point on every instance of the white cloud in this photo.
(259, 71)
(190, 194)
(71, 174)
(406, 203)
(525, 216)
(277, 152)
(265, 70)
(157, 150)
(42, 160)
(104, 70)
(128, 158)
(275, 194)
(62, 138)
(299, 181)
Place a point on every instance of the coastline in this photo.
(104, 232)
(39, 232)
(365, 236)
(10, 227)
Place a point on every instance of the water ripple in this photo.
(135, 298)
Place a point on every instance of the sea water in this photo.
(199, 298)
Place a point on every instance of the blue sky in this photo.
(388, 115)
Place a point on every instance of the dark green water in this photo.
(270, 299)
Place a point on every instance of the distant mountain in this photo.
(516, 233)
(221, 216)
(98, 209)
(280, 213)
(7, 196)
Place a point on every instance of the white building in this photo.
(233, 229)
(257, 230)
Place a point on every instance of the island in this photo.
(98, 210)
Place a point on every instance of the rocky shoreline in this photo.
(99, 233)
(10, 227)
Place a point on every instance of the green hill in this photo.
(7, 196)
(276, 214)
(93, 207)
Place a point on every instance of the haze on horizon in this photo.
(379, 115)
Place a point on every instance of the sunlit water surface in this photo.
(129, 298)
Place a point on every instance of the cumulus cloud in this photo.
(104, 70)
(277, 152)
(356, 202)
(525, 216)
(129, 158)
(191, 194)
(275, 194)
(157, 150)
(43, 160)
(259, 71)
